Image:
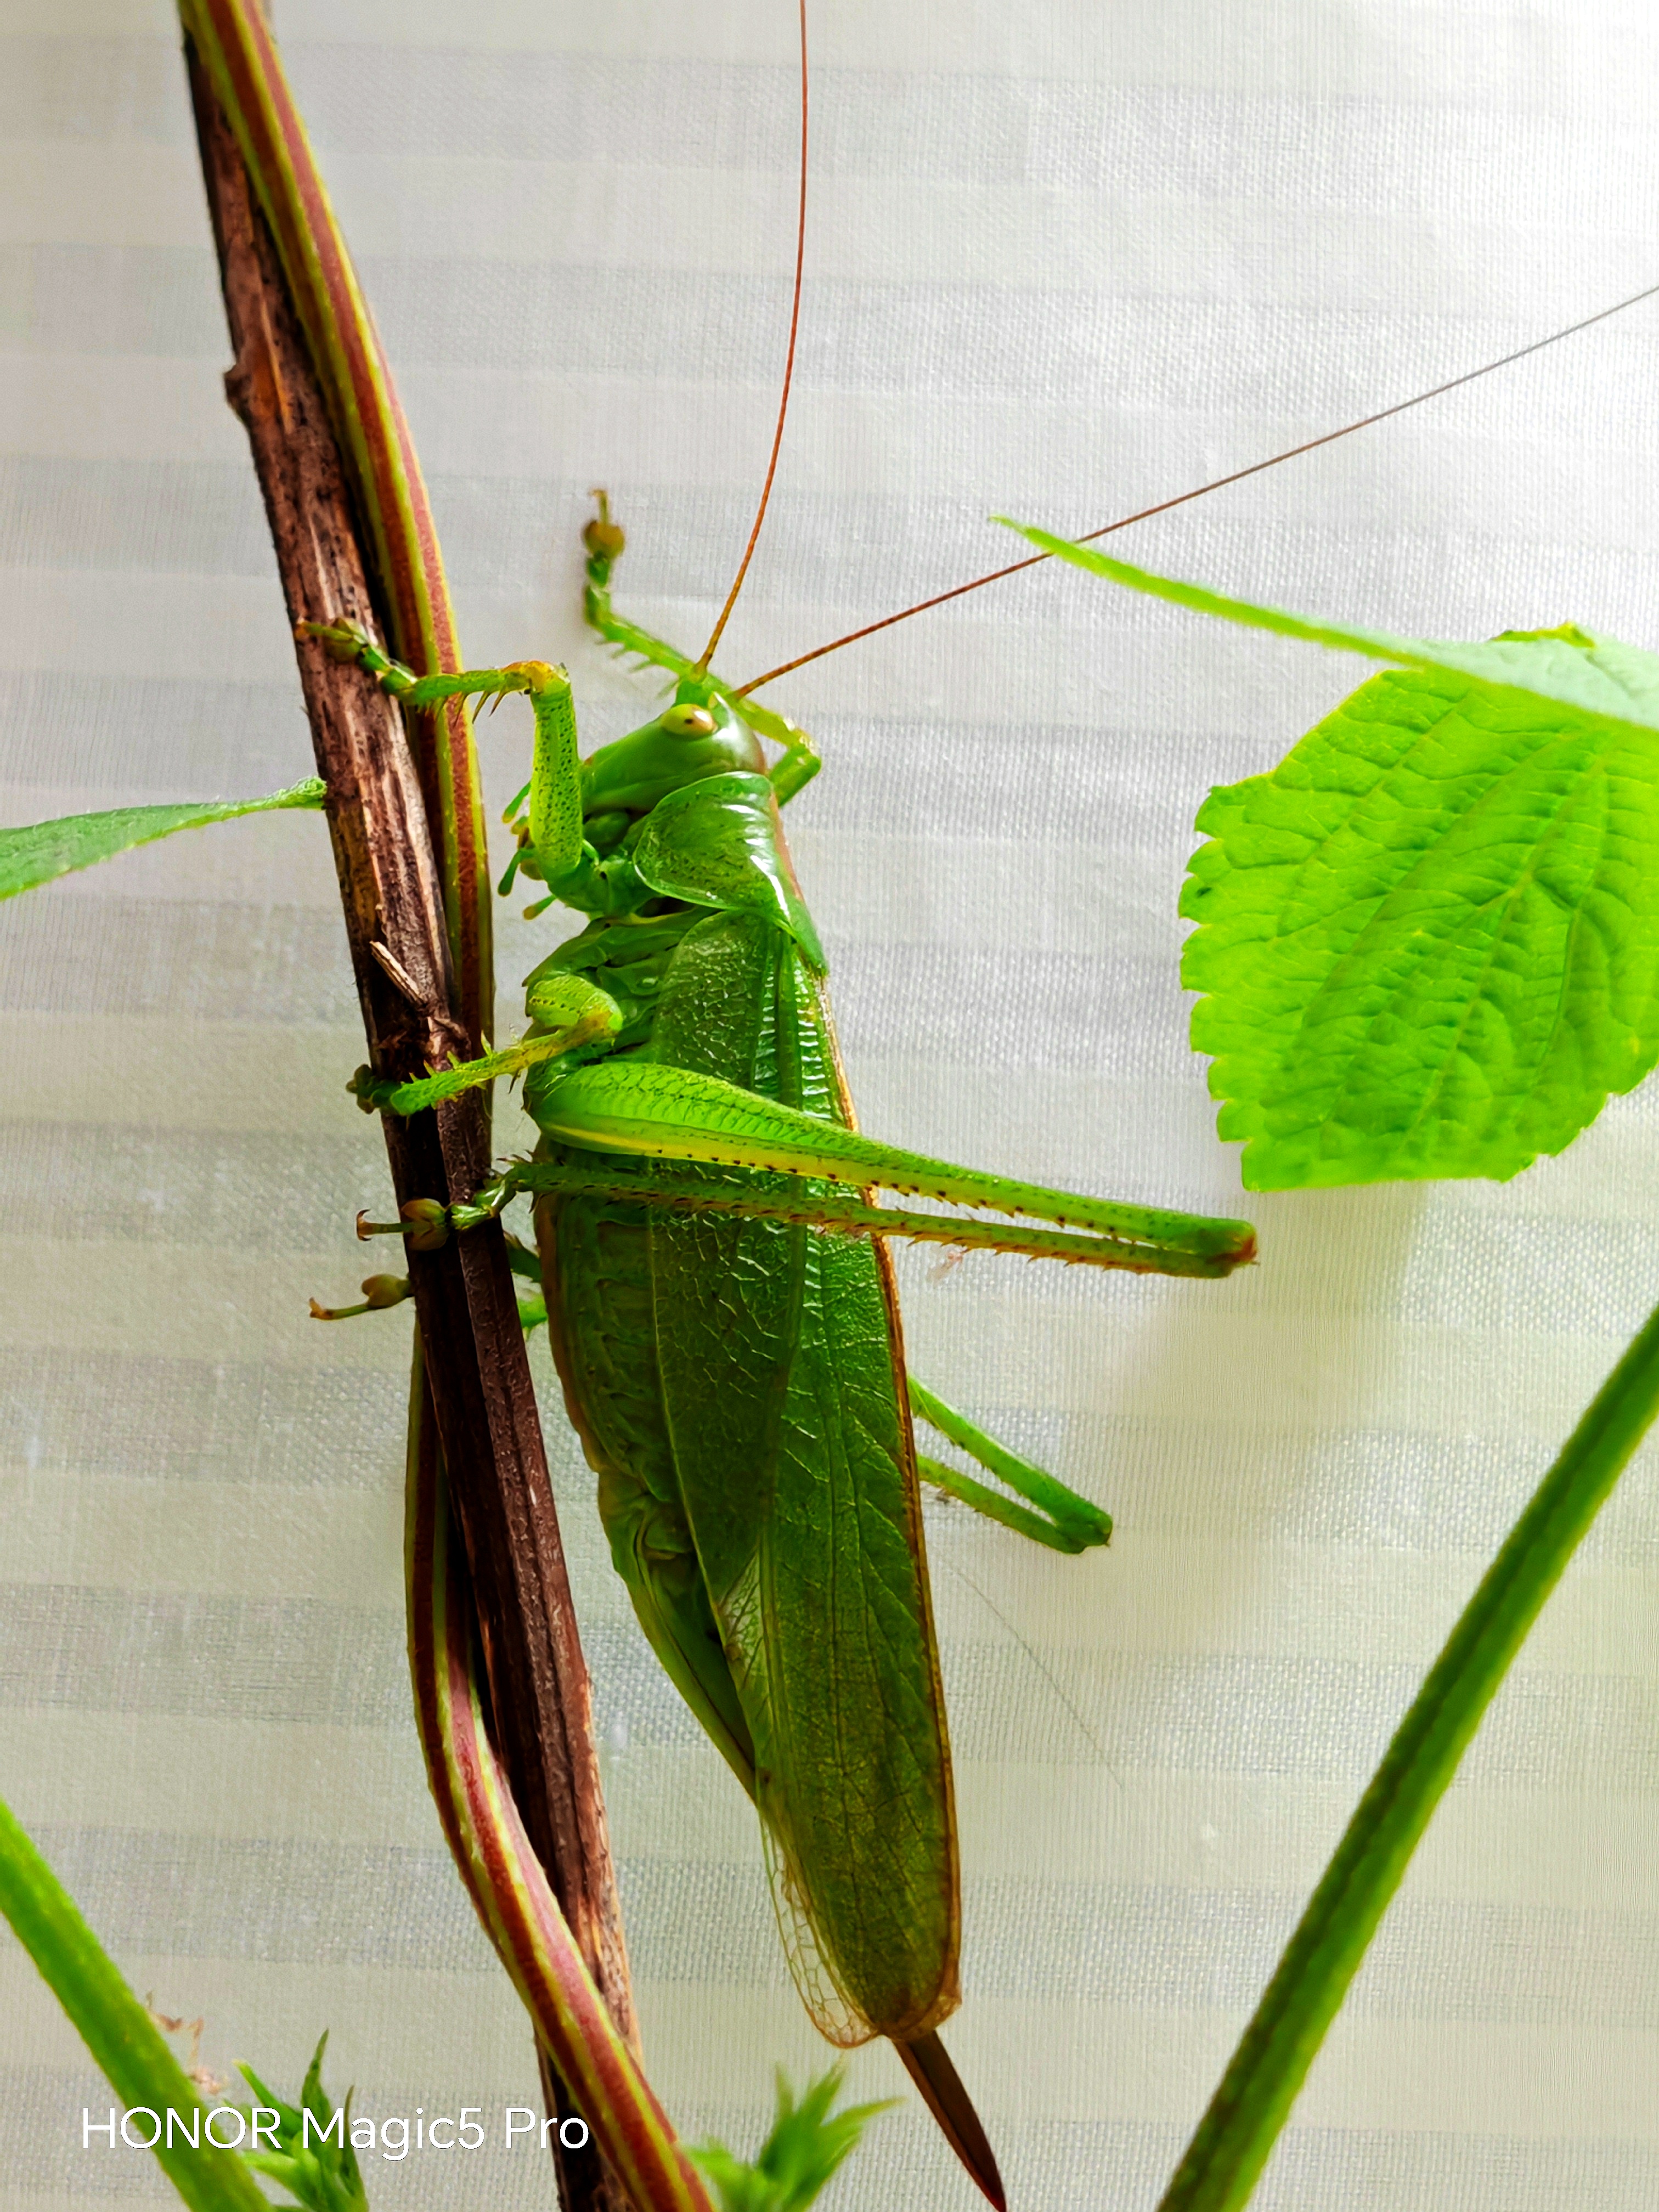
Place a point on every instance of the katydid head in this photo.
(696, 736)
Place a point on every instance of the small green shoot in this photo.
(318, 2169)
(807, 2143)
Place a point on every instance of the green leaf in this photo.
(121, 2033)
(39, 852)
(1429, 940)
(1598, 676)
(798, 2159)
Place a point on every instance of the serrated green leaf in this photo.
(1429, 939)
(39, 852)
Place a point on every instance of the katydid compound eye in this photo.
(688, 721)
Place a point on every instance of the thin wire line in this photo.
(788, 374)
(1047, 1671)
(1218, 483)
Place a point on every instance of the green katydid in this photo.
(724, 1321)
(724, 1318)
(723, 1314)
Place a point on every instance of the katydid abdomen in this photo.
(740, 1389)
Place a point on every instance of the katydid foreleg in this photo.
(798, 761)
(556, 818)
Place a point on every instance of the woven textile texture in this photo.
(1064, 259)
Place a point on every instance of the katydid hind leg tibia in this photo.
(624, 1112)
(804, 1202)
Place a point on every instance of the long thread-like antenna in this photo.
(1217, 483)
(788, 374)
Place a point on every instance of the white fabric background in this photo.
(1064, 259)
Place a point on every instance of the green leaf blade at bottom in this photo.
(1233, 2140)
(120, 2033)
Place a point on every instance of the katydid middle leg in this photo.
(1064, 1521)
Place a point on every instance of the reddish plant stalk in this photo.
(422, 969)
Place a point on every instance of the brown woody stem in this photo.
(392, 891)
